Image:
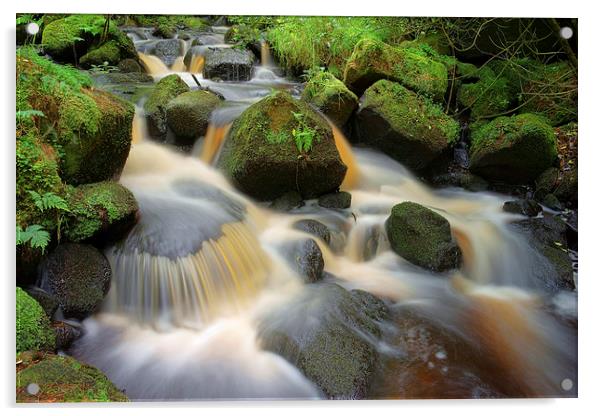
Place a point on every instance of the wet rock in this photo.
(552, 202)
(373, 60)
(513, 149)
(193, 51)
(464, 180)
(528, 207)
(547, 235)
(546, 182)
(65, 334)
(326, 333)
(168, 50)
(331, 96)
(567, 190)
(79, 276)
(155, 106)
(130, 65)
(335, 200)
(101, 213)
(308, 260)
(188, 114)
(406, 126)
(228, 64)
(47, 301)
(266, 159)
(62, 379)
(422, 237)
(287, 201)
(315, 228)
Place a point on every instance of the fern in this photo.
(35, 235)
(49, 200)
(26, 114)
(303, 135)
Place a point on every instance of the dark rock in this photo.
(552, 202)
(47, 301)
(263, 157)
(188, 114)
(335, 200)
(464, 180)
(315, 228)
(422, 237)
(79, 276)
(155, 106)
(567, 190)
(129, 65)
(308, 260)
(408, 127)
(65, 334)
(546, 183)
(528, 207)
(228, 64)
(287, 201)
(326, 333)
(168, 50)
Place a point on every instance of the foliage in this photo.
(35, 235)
(48, 201)
(33, 330)
(303, 134)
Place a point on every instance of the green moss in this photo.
(33, 326)
(166, 89)
(510, 129)
(107, 52)
(492, 94)
(330, 96)
(415, 116)
(63, 379)
(188, 114)
(166, 26)
(412, 67)
(95, 207)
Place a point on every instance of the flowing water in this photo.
(205, 267)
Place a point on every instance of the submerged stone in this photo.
(315, 228)
(335, 200)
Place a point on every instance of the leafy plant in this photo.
(49, 200)
(35, 235)
(303, 134)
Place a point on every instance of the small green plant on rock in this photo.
(303, 134)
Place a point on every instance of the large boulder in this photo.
(412, 67)
(229, 64)
(168, 50)
(62, 379)
(100, 212)
(79, 276)
(279, 145)
(188, 114)
(155, 106)
(33, 330)
(422, 237)
(513, 149)
(406, 126)
(330, 96)
(78, 36)
(325, 333)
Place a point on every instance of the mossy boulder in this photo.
(279, 145)
(228, 64)
(330, 96)
(97, 134)
(63, 379)
(188, 114)
(100, 212)
(513, 149)
(422, 237)
(155, 106)
(406, 126)
(412, 67)
(33, 326)
(79, 276)
(325, 333)
(81, 34)
(130, 65)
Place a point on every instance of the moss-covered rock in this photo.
(330, 96)
(155, 106)
(130, 65)
(33, 326)
(188, 114)
(404, 125)
(74, 36)
(329, 341)
(79, 276)
(279, 145)
(372, 60)
(100, 212)
(63, 379)
(513, 149)
(422, 237)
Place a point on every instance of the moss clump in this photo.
(243, 35)
(33, 326)
(167, 26)
(104, 211)
(106, 53)
(406, 126)
(63, 379)
(330, 96)
(155, 106)
(491, 94)
(422, 237)
(188, 114)
(280, 144)
(412, 67)
(72, 37)
(514, 149)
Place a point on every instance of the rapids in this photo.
(204, 268)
